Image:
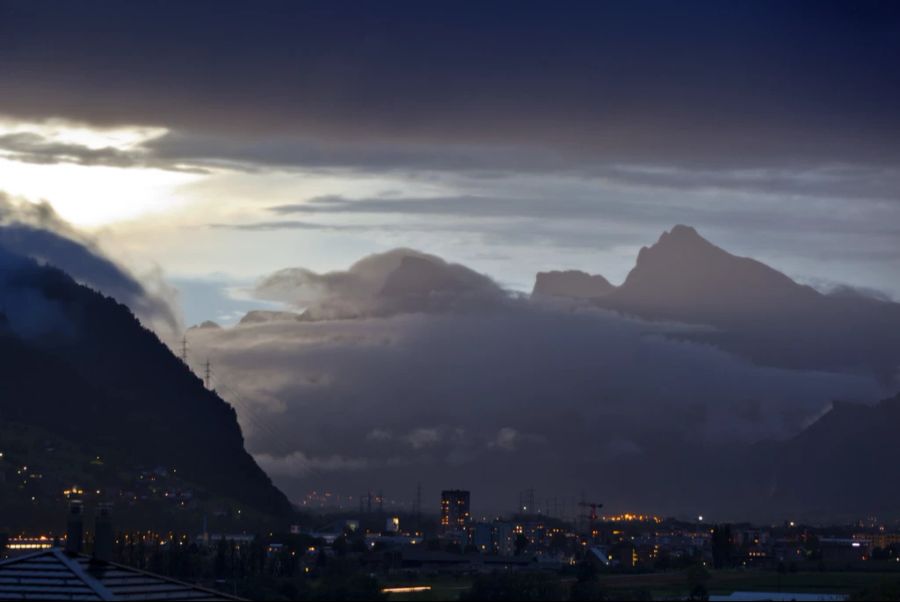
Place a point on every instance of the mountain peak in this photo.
(679, 248)
(262, 316)
(683, 274)
(685, 237)
(418, 275)
(571, 284)
(206, 325)
(680, 232)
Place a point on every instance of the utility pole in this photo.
(418, 506)
(207, 374)
(184, 349)
(526, 502)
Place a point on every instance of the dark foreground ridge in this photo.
(78, 365)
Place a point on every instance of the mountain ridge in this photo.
(570, 284)
(116, 383)
(757, 311)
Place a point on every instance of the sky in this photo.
(219, 141)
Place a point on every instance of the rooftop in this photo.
(54, 574)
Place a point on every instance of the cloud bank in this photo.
(388, 283)
(498, 398)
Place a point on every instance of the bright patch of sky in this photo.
(215, 229)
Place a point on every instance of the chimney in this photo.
(103, 534)
(75, 527)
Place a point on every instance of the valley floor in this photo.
(856, 585)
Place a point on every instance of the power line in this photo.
(247, 410)
(418, 507)
(207, 375)
(250, 414)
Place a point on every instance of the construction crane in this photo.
(593, 516)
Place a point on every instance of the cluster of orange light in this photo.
(74, 490)
(406, 590)
(628, 517)
(30, 543)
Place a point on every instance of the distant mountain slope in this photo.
(206, 324)
(841, 463)
(758, 311)
(571, 284)
(383, 284)
(261, 316)
(79, 364)
(421, 276)
(683, 274)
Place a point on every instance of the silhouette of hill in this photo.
(571, 284)
(421, 276)
(79, 364)
(683, 274)
(424, 283)
(205, 325)
(261, 316)
(837, 464)
(383, 284)
(757, 311)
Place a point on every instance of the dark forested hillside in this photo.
(80, 365)
(842, 463)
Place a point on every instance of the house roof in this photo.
(54, 574)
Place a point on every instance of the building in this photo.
(483, 538)
(429, 561)
(504, 538)
(455, 511)
(879, 540)
(22, 544)
(840, 551)
(392, 525)
(57, 574)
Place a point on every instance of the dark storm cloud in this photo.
(593, 218)
(279, 151)
(29, 147)
(704, 83)
(811, 179)
(286, 225)
(574, 206)
(36, 231)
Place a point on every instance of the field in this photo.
(673, 585)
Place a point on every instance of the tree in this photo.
(886, 590)
(521, 544)
(353, 587)
(697, 577)
(587, 586)
(722, 543)
(516, 586)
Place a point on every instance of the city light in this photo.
(406, 590)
